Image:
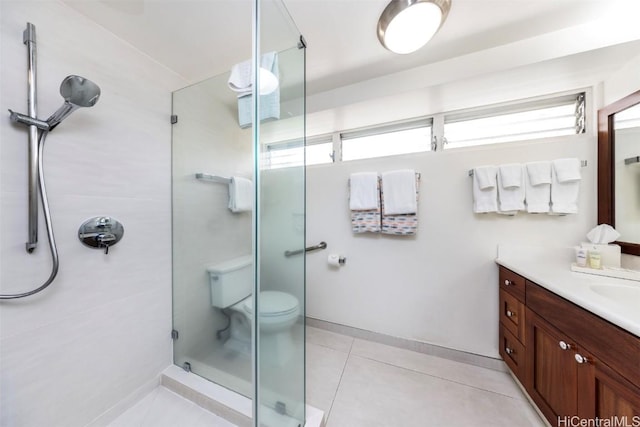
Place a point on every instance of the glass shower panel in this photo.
(206, 233)
(280, 386)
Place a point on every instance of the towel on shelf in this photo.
(400, 192)
(240, 81)
(400, 224)
(364, 191)
(367, 221)
(511, 175)
(564, 194)
(510, 199)
(485, 193)
(567, 170)
(240, 194)
(538, 187)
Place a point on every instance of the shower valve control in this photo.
(101, 232)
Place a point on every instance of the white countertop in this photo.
(550, 268)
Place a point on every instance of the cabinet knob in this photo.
(563, 345)
(507, 282)
(510, 313)
(509, 350)
(581, 359)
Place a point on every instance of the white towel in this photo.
(510, 199)
(567, 170)
(486, 176)
(241, 78)
(564, 195)
(485, 200)
(240, 194)
(538, 186)
(511, 175)
(399, 192)
(364, 194)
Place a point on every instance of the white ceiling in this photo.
(202, 38)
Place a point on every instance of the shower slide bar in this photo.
(319, 246)
(583, 163)
(29, 39)
(212, 178)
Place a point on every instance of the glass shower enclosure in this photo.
(238, 300)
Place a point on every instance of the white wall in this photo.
(623, 82)
(101, 331)
(440, 287)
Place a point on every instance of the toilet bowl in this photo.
(231, 288)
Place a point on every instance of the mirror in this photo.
(619, 170)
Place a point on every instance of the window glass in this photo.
(386, 144)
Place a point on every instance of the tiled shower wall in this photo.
(100, 333)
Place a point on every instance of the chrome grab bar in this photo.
(321, 245)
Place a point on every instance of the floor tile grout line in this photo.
(438, 377)
(344, 367)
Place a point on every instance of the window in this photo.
(403, 138)
(629, 118)
(539, 119)
(285, 154)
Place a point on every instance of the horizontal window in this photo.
(319, 150)
(405, 138)
(541, 119)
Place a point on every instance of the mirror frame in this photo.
(606, 167)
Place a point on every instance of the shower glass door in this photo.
(280, 222)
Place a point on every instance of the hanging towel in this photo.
(511, 175)
(510, 199)
(400, 192)
(364, 191)
(485, 193)
(564, 194)
(240, 81)
(240, 194)
(400, 224)
(567, 170)
(367, 221)
(538, 187)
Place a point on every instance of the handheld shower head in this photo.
(77, 92)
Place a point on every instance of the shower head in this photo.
(77, 92)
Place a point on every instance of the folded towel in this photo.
(400, 224)
(564, 195)
(364, 191)
(368, 221)
(511, 175)
(539, 173)
(486, 176)
(510, 199)
(240, 194)
(485, 191)
(400, 192)
(567, 170)
(538, 197)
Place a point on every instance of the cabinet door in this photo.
(552, 371)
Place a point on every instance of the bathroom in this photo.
(96, 341)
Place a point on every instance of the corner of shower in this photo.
(235, 212)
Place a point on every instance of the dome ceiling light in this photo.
(407, 25)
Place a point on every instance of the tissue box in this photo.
(610, 254)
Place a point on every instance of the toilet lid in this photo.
(273, 303)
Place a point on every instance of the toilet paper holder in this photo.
(336, 260)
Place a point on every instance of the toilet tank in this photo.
(231, 281)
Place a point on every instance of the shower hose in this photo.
(47, 219)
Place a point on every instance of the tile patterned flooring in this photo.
(360, 383)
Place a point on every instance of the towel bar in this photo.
(632, 160)
(212, 178)
(583, 163)
(321, 245)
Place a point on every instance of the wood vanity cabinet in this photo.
(575, 363)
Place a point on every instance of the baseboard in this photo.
(417, 346)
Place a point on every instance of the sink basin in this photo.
(623, 294)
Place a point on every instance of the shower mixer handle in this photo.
(101, 232)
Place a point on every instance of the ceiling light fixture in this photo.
(407, 25)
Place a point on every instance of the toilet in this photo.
(231, 285)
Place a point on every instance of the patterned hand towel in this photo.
(367, 221)
(401, 224)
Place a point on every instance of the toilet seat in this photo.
(272, 303)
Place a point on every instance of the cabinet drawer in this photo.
(512, 315)
(512, 351)
(512, 283)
